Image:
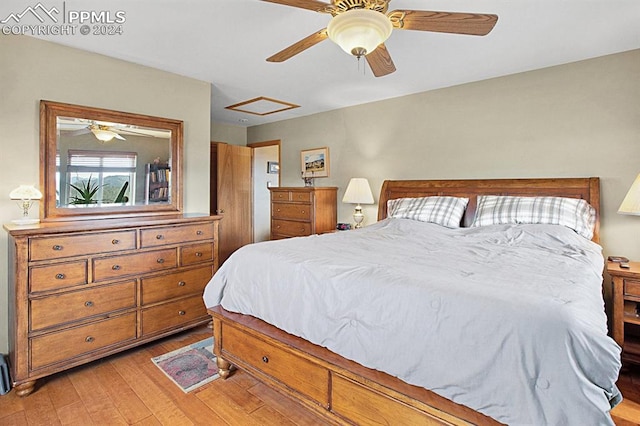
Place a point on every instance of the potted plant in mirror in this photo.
(85, 192)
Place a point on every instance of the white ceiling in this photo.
(225, 42)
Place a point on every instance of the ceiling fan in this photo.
(102, 130)
(360, 28)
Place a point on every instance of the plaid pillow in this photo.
(445, 211)
(573, 213)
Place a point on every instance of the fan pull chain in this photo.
(364, 69)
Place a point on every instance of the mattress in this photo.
(508, 320)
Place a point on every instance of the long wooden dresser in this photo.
(302, 211)
(83, 290)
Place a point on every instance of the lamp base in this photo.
(25, 221)
(358, 217)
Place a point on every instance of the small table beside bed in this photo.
(468, 302)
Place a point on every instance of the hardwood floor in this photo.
(128, 389)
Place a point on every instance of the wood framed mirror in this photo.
(98, 163)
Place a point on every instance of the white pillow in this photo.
(573, 213)
(445, 211)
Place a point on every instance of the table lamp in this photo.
(25, 194)
(631, 202)
(358, 192)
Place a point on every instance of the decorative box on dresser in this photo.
(82, 290)
(302, 211)
(626, 309)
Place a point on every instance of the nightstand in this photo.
(626, 304)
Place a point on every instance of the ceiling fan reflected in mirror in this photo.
(360, 28)
(102, 130)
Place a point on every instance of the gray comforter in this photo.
(508, 320)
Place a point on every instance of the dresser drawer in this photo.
(196, 253)
(68, 344)
(132, 264)
(172, 314)
(295, 196)
(60, 275)
(291, 211)
(289, 369)
(76, 305)
(176, 284)
(290, 228)
(176, 234)
(631, 288)
(77, 245)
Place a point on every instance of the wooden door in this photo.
(231, 196)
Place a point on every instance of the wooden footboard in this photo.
(343, 391)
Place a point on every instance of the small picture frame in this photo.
(314, 162)
(273, 167)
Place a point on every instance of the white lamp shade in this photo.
(359, 31)
(631, 202)
(103, 135)
(25, 192)
(358, 192)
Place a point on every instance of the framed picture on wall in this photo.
(273, 167)
(315, 162)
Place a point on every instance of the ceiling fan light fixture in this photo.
(359, 31)
(103, 135)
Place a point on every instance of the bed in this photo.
(411, 322)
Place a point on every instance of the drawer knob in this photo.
(114, 241)
(265, 359)
(60, 276)
(116, 267)
(88, 303)
(277, 210)
(160, 260)
(181, 284)
(278, 227)
(302, 211)
(57, 247)
(199, 232)
(198, 254)
(182, 313)
(159, 237)
(89, 339)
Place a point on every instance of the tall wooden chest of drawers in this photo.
(301, 211)
(83, 290)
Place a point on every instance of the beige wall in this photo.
(580, 119)
(227, 133)
(31, 70)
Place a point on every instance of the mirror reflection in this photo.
(104, 164)
(99, 163)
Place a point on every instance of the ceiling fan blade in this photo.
(314, 5)
(380, 61)
(78, 132)
(117, 136)
(299, 47)
(443, 22)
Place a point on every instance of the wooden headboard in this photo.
(585, 188)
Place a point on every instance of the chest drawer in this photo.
(60, 275)
(290, 228)
(176, 284)
(78, 245)
(68, 344)
(76, 305)
(173, 314)
(631, 288)
(196, 253)
(296, 196)
(176, 234)
(133, 264)
(289, 369)
(291, 211)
